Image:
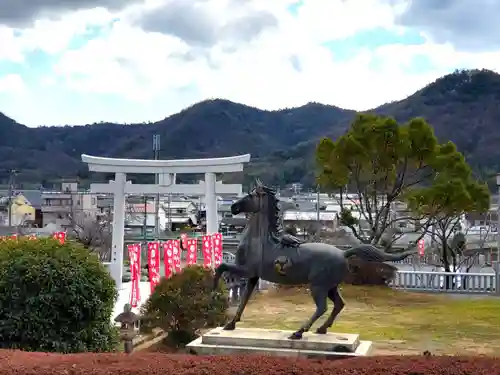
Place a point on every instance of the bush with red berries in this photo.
(24, 363)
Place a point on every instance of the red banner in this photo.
(176, 255)
(134, 254)
(217, 248)
(206, 249)
(192, 251)
(13, 237)
(154, 264)
(421, 247)
(184, 241)
(168, 258)
(60, 236)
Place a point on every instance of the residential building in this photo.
(138, 216)
(104, 204)
(307, 221)
(24, 207)
(58, 207)
(179, 214)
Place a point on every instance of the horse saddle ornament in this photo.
(281, 264)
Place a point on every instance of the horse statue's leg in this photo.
(252, 282)
(319, 294)
(338, 305)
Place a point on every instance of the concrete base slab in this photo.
(277, 343)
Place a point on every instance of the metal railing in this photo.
(462, 262)
(450, 282)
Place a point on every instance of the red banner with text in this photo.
(60, 236)
(217, 248)
(168, 258)
(421, 247)
(176, 255)
(192, 251)
(206, 249)
(184, 239)
(134, 254)
(154, 264)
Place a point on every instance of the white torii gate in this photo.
(166, 169)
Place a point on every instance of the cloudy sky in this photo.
(83, 61)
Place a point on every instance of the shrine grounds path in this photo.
(397, 322)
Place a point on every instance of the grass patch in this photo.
(396, 321)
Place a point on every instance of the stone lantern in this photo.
(127, 320)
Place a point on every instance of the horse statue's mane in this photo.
(273, 211)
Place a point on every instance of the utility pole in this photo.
(156, 155)
(12, 176)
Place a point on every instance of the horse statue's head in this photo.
(261, 198)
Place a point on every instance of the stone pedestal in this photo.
(276, 342)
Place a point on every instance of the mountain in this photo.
(463, 106)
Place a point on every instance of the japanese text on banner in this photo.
(192, 251)
(206, 248)
(217, 248)
(134, 253)
(176, 255)
(154, 264)
(168, 258)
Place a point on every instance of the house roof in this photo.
(139, 208)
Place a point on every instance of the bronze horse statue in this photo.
(266, 253)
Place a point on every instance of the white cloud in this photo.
(158, 74)
(12, 84)
(9, 49)
(325, 20)
(141, 65)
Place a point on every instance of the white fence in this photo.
(472, 283)
(430, 259)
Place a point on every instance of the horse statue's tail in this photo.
(372, 254)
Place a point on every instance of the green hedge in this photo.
(54, 298)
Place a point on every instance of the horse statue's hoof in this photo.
(321, 330)
(296, 335)
(230, 326)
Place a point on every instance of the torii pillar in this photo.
(166, 169)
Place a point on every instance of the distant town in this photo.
(43, 212)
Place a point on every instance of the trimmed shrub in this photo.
(157, 363)
(184, 304)
(54, 298)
